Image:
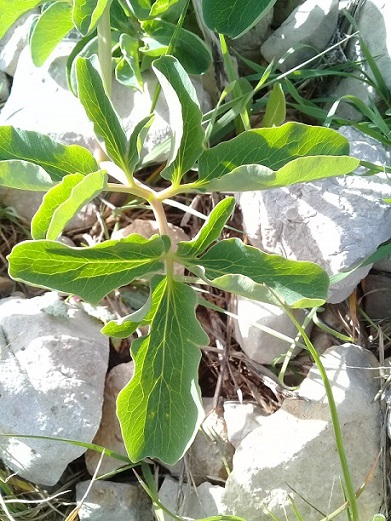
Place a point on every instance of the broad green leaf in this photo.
(192, 52)
(304, 169)
(12, 10)
(90, 272)
(101, 112)
(294, 281)
(56, 159)
(86, 14)
(128, 70)
(185, 118)
(275, 108)
(210, 231)
(234, 17)
(160, 409)
(270, 147)
(23, 175)
(125, 326)
(52, 26)
(161, 6)
(139, 8)
(51, 201)
(136, 141)
(63, 201)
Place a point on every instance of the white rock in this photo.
(185, 501)
(241, 419)
(282, 9)
(295, 447)
(113, 501)
(53, 361)
(14, 41)
(109, 434)
(312, 23)
(40, 101)
(258, 343)
(335, 223)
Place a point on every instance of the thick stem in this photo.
(104, 48)
(162, 223)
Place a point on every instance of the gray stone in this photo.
(295, 447)
(313, 23)
(14, 41)
(108, 501)
(4, 88)
(204, 501)
(335, 222)
(282, 10)
(255, 325)
(109, 434)
(53, 361)
(241, 419)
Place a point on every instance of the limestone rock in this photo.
(282, 9)
(258, 343)
(335, 222)
(4, 88)
(53, 361)
(295, 446)
(185, 501)
(313, 23)
(14, 41)
(241, 419)
(109, 434)
(113, 501)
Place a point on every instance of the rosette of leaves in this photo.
(141, 31)
(160, 409)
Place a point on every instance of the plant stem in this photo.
(351, 496)
(170, 49)
(160, 216)
(104, 48)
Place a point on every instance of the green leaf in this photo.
(136, 141)
(234, 17)
(139, 8)
(90, 272)
(63, 201)
(125, 326)
(86, 14)
(304, 169)
(128, 70)
(270, 147)
(192, 52)
(297, 283)
(101, 112)
(11, 11)
(160, 410)
(24, 176)
(56, 159)
(161, 6)
(185, 118)
(52, 26)
(275, 113)
(210, 231)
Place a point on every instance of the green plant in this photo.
(160, 409)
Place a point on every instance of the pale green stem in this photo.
(162, 223)
(351, 496)
(104, 48)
